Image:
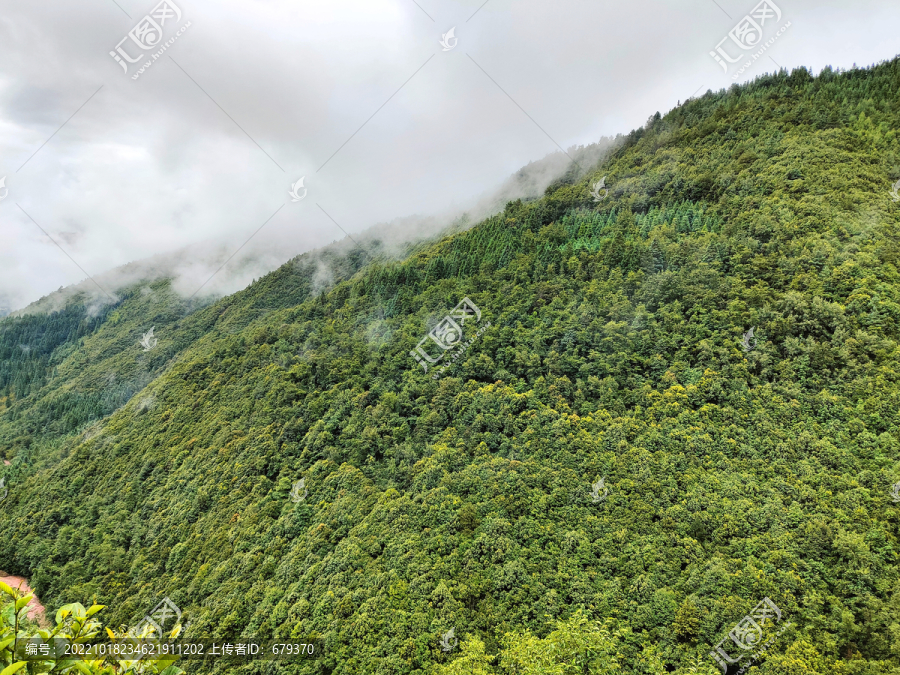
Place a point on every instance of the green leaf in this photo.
(6, 643)
(21, 602)
(6, 589)
(14, 668)
(76, 608)
(94, 609)
(83, 667)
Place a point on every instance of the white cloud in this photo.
(153, 165)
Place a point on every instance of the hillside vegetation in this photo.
(464, 501)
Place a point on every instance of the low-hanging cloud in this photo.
(200, 152)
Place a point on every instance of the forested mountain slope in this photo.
(609, 345)
(62, 370)
(66, 360)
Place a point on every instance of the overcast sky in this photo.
(358, 96)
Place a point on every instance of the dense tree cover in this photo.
(614, 352)
(28, 344)
(575, 646)
(63, 370)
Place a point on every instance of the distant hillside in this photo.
(199, 266)
(61, 358)
(610, 440)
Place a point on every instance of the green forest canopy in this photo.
(614, 351)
